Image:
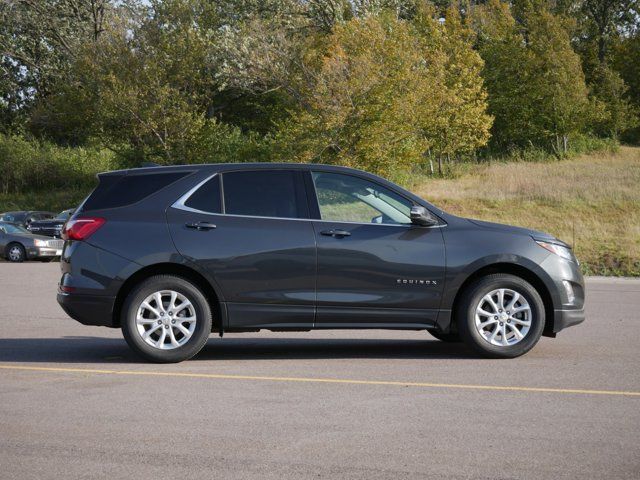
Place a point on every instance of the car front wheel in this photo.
(166, 319)
(16, 253)
(501, 316)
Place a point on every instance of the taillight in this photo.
(81, 228)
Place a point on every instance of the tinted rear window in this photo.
(207, 197)
(116, 192)
(277, 193)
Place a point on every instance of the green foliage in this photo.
(33, 165)
(626, 61)
(618, 114)
(385, 92)
(38, 42)
(537, 90)
(384, 85)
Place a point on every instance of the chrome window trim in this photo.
(407, 225)
(180, 205)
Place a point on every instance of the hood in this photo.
(47, 223)
(519, 230)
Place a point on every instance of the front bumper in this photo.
(88, 309)
(43, 252)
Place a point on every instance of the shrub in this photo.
(28, 165)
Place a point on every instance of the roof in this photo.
(234, 166)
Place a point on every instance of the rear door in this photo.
(250, 231)
(375, 269)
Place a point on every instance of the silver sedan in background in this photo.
(17, 244)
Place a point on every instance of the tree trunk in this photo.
(440, 165)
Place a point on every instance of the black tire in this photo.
(445, 337)
(466, 311)
(15, 253)
(155, 284)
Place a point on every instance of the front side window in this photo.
(345, 198)
(265, 193)
(11, 229)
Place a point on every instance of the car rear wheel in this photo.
(166, 319)
(16, 253)
(501, 316)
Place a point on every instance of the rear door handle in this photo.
(200, 226)
(335, 233)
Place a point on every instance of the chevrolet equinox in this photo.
(172, 254)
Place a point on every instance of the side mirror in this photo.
(421, 216)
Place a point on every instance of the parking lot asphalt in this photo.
(75, 403)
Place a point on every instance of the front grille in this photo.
(57, 244)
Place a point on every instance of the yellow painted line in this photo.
(323, 380)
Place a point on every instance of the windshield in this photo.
(64, 215)
(9, 228)
(12, 217)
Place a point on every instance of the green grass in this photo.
(591, 201)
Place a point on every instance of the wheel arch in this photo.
(217, 308)
(518, 271)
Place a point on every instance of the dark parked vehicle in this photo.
(24, 218)
(51, 227)
(171, 254)
(17, 244)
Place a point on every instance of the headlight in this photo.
(564, 252)
(40, 243)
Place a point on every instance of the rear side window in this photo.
(116, 192)
(207, 197)
(275, 193)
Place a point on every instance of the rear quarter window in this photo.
(207, 197)
(116, 192)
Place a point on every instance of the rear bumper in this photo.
(88, 309)
(567, 318)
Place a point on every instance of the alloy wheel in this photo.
(166, 320)
(503, 317)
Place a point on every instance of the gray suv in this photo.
(171, 254)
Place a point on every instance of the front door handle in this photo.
(335, 233)
(200, 226)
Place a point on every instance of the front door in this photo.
(375, 269)
(256, 241)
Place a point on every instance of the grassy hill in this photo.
(591, 202)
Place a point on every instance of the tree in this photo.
(462, 124)
(537, 90)
(557, 81)
(388, 91)
(619, 115)
(144, 86)
(606, 18)
(506, 74)
(38, 42)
